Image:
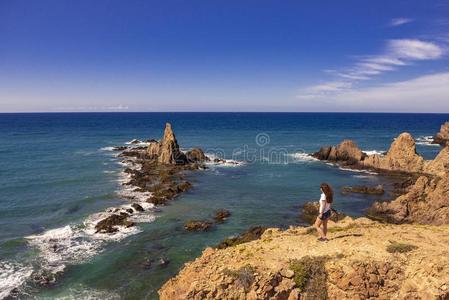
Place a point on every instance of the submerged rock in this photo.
(198, 225)
(221, 215)
(363, 189)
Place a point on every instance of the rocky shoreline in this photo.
(364, 258)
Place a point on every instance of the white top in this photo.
(324, 206)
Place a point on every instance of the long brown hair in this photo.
(327, 190)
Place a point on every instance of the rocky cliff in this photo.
(363, 259)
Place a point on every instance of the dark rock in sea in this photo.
(198, 225)
(137, 207)
(362, 189)
(251, 234)
(108, 225)
(183, 186)
(221, 215)
(135, 141)
(147, 263)
(163, 262)
(196, 155)
(310, 212)
(130, 210)
(323, 153)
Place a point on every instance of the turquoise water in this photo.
(56, 171)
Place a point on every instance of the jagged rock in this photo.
(251, 234)
(108, 225)
(198, 225)
(310, 211)
(362, 189)
(119, 148)
(439, 166)
(427, 202)
(349, 152)
(400, 157)
(169, 152)
(221, 215)
(153, 150)
(323, 153)
(137, 207)
(442, 137)
(196, 155)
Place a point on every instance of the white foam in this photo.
(136, 143)
(358, 170)
(85, 293)
(107, 149)
(301, 156)
(223, 162)
(426, 141)
(373, 152)
(12, 275)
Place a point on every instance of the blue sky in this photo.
(352, 55)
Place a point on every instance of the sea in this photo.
(58, 176)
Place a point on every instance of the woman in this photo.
(325, 212)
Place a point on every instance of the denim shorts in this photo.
(326, 215)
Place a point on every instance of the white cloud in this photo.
(400, 21)
(429, 93)
(397, 53)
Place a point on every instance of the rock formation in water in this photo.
(442, 137)
(167, 150)
(363, 259)
(401, 157)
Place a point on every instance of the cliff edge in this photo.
(363, 259)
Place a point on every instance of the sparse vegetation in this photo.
(309, 274)
(243, 276)
(396, 247)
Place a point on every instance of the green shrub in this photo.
(310, 276)
(243, 276)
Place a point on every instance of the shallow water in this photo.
(57, 173)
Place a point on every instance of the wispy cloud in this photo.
(400, 21)
(397, 53)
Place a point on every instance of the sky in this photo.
(207, 55)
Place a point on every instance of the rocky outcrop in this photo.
(401, 156)
(347, 152)
(251, 234)
(363, 259)
(109, 224)
(363, 189)
(168, 149)
(426, 202)
(442, 137)
(196, 155)
(222, 215)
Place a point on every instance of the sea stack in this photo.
(167, 150)
(442, 137)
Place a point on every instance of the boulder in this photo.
(323, 153)
(439, 166)
(442, 137)
(137, 207)
(363, 189)
(196, 155)
(198, 225)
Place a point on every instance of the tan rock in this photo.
(439, 166)
(348, 151)
(442, 137)
(169, 152)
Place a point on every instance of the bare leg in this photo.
(317, 225)
(325, 228)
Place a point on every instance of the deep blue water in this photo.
(54, 173)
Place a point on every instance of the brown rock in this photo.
(108, 225)
(427, 202)
(362, 189)
(197, 225)
(323, 153)
(196, 155)
(349, 152)
(251, 234)
(169, 152)
(221, 215)
(440, 165)
(442, 137)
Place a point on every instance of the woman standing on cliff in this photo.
(325, 212)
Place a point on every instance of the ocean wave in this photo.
(305, 157)
(136, 142)
(85, 293)
(358, 170)
(217, 161)
(12, 276)
(426, 141)
(110, 148)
